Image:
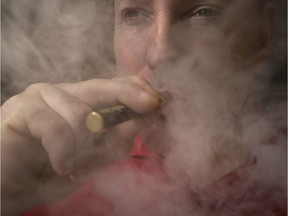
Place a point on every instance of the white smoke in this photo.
(212, 125)
(55, 41)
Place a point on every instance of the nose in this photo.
(163, 45)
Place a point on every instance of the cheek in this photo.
(130, 52)
(242, 35)
(234, 45)
(242, 44)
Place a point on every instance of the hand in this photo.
(46, 147)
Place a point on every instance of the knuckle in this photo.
(67, 87)
(18, 102)
(129, 85)
(125, 83)
(11, 107)
(136, 88)
(63, 85)
(140, 82)
(13, 100)
(36, 87)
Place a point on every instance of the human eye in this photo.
(205, 12)
(134, 16)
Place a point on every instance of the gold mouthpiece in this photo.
(106, 118)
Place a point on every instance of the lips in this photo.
(170, 92)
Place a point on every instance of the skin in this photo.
(43, 136)
(48, 137)
(152, 34)
(147, 40)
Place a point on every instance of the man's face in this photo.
(198, 52)
(150, 33)
(177, 44)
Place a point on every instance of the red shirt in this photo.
(148, 193)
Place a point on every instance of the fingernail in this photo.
(162, 100)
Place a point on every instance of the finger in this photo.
(101, 93)
(33, 118)
(139, 81)
(74, 111)
(69, 107)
